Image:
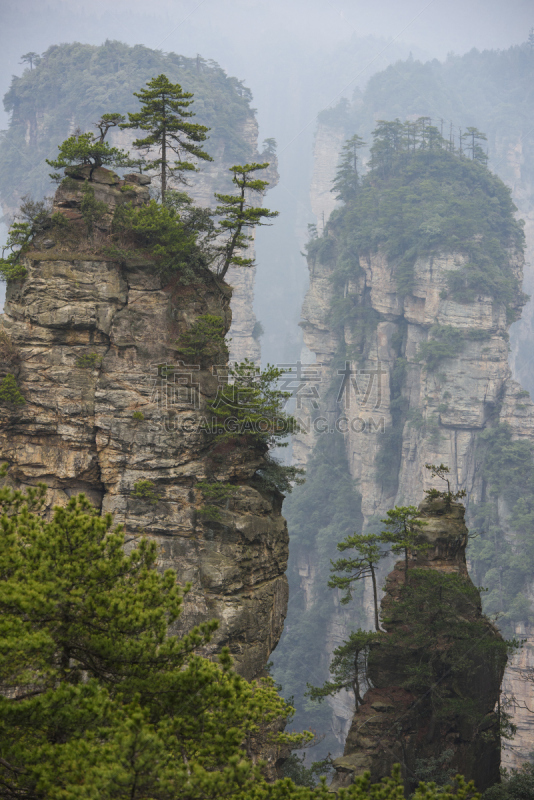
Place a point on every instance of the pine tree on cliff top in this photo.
(164, 116)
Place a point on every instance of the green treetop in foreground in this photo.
(98, 699)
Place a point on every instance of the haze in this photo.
(297, 57)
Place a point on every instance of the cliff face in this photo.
(445, 406)
(446, 409)
(451, 726)
(111, 411)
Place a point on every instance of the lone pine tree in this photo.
(164, 116)
(238, 215)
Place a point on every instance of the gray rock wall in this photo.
(108, 405)
(446, 408)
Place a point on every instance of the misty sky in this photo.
(244, 35)
(297, 57)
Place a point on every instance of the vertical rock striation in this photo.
(111, 411)
(445, 410)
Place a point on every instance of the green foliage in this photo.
(10, 394)
(443, 472)
(238, 215)
(86, 149)
(163, 116)
(216, 495)
(158, 230)
(517, 785)
(446, 342)
(89, 361)
(419, 199)
(33, 217)
(348, 667)
(279, 477)
(19, 236)
(434, 621)
(367, 554)
(138, 415)
(182, 238)
(97, 700)
(347, 179)
(87, 80)
(92, 210)
(435, 769)
(204, 341)
(86, 653)
(294, 768)
(144, 490)
(59, 220)
(393, 789)
(404, 529)
(251, 407)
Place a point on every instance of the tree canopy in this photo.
(99, 698)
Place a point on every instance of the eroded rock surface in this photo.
(109, 405)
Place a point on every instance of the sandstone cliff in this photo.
(446, 409)
(111, 411)
(451, 727)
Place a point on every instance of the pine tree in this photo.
(473, 137)
(403, 531)
(443, 473)
(164, 115)
(87, 150)
(347, 177)
(31, 58)
(238, 215)
(96, 698)
(363, 565)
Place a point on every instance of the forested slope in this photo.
(72, 85)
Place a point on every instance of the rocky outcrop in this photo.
(446, 408)
(452, 727)
(214, 176)
(112, 411)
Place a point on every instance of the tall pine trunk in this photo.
(375, 597)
